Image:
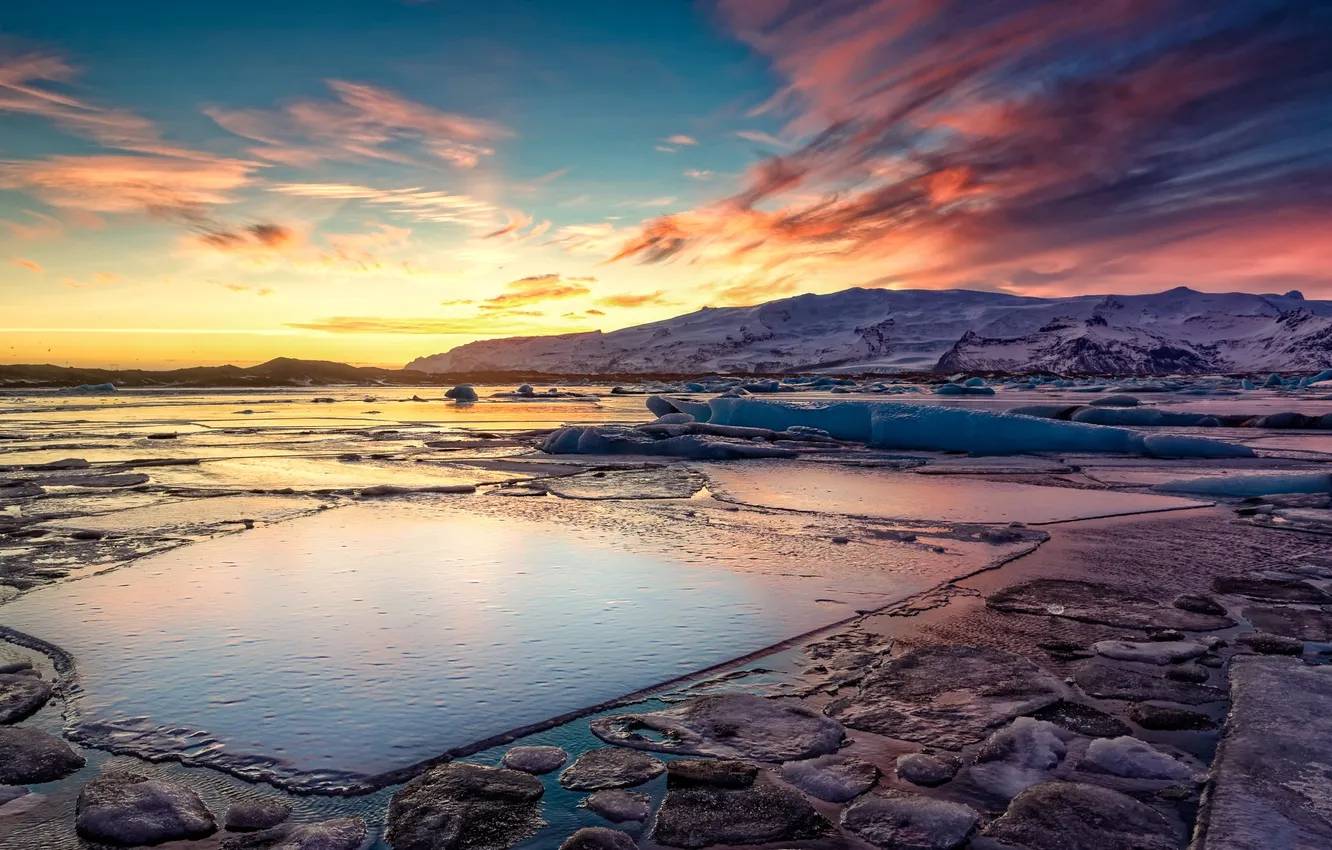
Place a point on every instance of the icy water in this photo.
(361, 640)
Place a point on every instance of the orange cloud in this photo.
(419, 204)
(534, 290)
(632, 301)
(98, 279)
(755, 290)
(361, 122)
(28, 264)
(436, 327)
(680, 139)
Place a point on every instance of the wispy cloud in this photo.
(763, 138)
(361, 122)
(681, 140)
(35, 226)
(535, 290)
(30, 265)
(414, 202)
(698, 174)
(97, 279)
(429, 327)
(630, 301)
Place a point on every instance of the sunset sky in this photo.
(372, 180)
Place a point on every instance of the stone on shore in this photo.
(728, 726)
(904, 822)
(1274, 590)
(21, 695)
(702, 815)
(336, 834)
(599, 838)
(1134, 759)
(30, 756)
(611, 767)
(946, 696)
(1083, 719)
(1159, 653)
(1165, 718)
(255, 815)
(1066, 815)
(1266, 644)
(1111, 681)
(460, 806)
(535, 760)
(925, 769)
(723, 773)
(129, 809)
(834, 778)
(1313, 624)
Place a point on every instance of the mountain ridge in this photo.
(884, 331)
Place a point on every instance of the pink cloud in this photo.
(30, 265)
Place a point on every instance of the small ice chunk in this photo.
(1019, 756)
(835, 778)
(461, 394)
(1134, 759)
(1251, 485)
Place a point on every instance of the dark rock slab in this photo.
(1267, 644)
(728, 726)
(722, 773)
(703, 815)
(1083, 719)
(21, 695)
(834, 778)
(129, 809)
(1065, 815)
(907, 822)
(1088, 602)
(30, 756)
(599, 838)
(1166, 718)
(256, 815)
(1274, 590)
(946, 696)
(611, 767)
(926, 769)
(1199, 603)
(535, 760)
(619, 806)
(1111, 681)
(1270, 784)
(336, 834)
(465, 807)
(10, 793)
(1313, 624)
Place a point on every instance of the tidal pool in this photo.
(322, 651)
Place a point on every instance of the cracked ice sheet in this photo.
(303, 473)
(891, 494)
(192, 516)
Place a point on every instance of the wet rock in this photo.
(1212, 661)
(946, 696)
(1165, 635)
(1160, 653)
(610, 767)
(1110, 681)
(599, 838)
(21, 695)
(1164, 718)
(1188, 673)
(1134, 759)
(254, 815)
(1088, 602)
(29, 756)
(925, 769)
(721, 773)
(835, 778)
(535, 760)
(617, 805)
(1313, 624)
(465, 807)
(336, 834)
(1019, 756)
(1274, 590)
(1199, 603)
(1267, 644)
(728, 726)
(1064, 815)
(461, 394)
(1083, 719)
(702, 815)
(129, 809)
(902, 822)
(10, 793)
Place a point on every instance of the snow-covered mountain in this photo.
(885, 331)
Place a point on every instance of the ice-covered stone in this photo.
(728, 726)
(129, 809)
(704, 815)
(1019, 756)
(1065, 815)
(457, 806)
(461, 394)
(29, 756)
(835, 778)
(618, 805)
(610, 767)
(1313, 624)
(619, 440)
(599, 838)
(906, 822)
(1134, 759)
(946, 696)
(926, 769)
(1271, 589)
(535, 760)
(1151, 652)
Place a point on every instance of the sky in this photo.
(373, 180)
